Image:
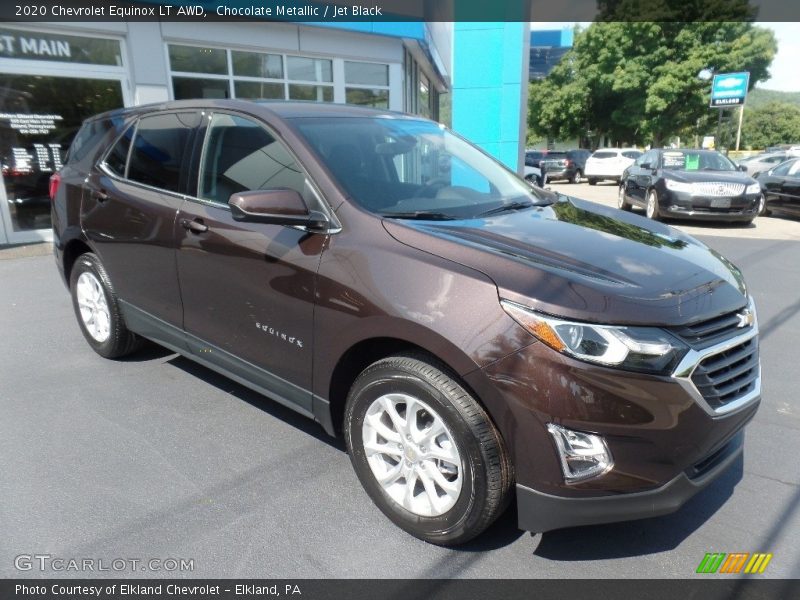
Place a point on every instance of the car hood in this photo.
(587, 262)
(705, 176)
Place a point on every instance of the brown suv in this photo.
(469, 336)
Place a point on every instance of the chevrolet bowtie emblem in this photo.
(745, 318)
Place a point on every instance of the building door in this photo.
(50, 81)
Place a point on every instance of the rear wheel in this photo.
(652, 210)
(97, 309)
(592, 181)
(425, 451)
(577, 177)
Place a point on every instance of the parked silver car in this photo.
(764, 162)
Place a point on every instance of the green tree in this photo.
(637, 81)
(771, 124)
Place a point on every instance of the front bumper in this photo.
(540, 512)
(681, 205)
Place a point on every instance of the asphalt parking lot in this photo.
(156, 457)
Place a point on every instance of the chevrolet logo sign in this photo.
(745, 318)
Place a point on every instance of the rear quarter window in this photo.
(604, 154)
(89, 137)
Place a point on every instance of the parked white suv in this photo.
(609, 163)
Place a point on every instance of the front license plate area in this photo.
(720, 203)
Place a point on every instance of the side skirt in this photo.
(223, 362)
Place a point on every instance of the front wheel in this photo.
(592, 181)
(622, 203)
(425, 451)
(97, 309)
(762, 206)
(652, 209)
(577, 177)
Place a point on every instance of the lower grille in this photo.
(727, 376)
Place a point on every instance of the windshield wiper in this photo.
(513, 206)
(421, 215)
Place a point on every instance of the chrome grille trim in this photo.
(717, 189)
(751, 389)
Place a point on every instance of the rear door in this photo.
(129, 213)
(249, 288)
(790, 189)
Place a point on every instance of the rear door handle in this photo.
(195, 226)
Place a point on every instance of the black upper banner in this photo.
(397, 589)
(401, 10)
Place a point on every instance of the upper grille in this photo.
(717, 188)
(712, 331)
(727, 376)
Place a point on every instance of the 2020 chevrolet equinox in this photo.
(471, 337)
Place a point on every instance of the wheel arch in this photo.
(368, 351)
(72, 250)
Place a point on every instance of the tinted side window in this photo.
(158, 148)
(117, 158)
(87, 138)
(783, 169)
(631, 154)
(241, 155)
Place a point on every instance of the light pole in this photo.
(705, 75)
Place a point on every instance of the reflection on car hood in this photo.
(703, 176)
(584, 261)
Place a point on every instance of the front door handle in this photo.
(195, 226)
(100, 195)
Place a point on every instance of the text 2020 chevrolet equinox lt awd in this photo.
(469, 336)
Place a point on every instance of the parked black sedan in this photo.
(781, 187)
(689, 184)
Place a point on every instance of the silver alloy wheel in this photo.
(412, 454)
(651, 204)
(93, 306)
(578, 177)
(762, 205)
(621, 196)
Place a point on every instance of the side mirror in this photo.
(279, 206)
(742, 168)
(645, 166)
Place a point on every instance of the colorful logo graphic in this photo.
(736, 562)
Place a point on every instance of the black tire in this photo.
(651, 205)
(120, 341)
(622, 203)
(486, 470)
(762, 206)
(577, 177)
(592, 181)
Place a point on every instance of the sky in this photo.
(784, 72)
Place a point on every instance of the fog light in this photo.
(583, 455)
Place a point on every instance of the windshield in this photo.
(413, 168)
(680, 160)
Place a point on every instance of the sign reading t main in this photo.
(729, 89)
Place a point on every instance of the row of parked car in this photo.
(680, 182)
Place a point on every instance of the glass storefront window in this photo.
(309, 69)
(39, 117)
(254, 90)
(375, 98)
(361, 73)
(185, 88)
(317, 93)
(255, 64)
(195, 59)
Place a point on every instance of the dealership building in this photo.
(54, 75)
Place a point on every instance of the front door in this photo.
(248, 288)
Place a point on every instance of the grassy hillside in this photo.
(759, 97)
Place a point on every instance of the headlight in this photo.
(678, 186)
(753, 189)
(644, 349)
